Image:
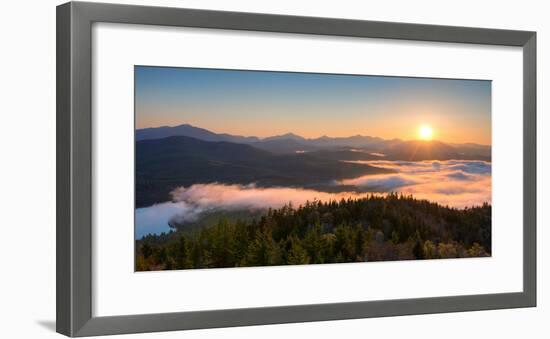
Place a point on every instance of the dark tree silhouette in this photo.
(394, 227)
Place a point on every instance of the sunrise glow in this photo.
(425, 132)
(312, 105)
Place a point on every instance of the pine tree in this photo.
(314, 245)
(263, 251)
(296, 255)
(183, 258)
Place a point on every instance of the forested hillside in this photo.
(163, 165)
(393, 227)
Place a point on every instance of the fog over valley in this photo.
(183, 179)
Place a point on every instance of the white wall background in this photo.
(27, 171)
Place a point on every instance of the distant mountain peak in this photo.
(189, 131)
(288, 135)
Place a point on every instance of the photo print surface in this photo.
(242, 168)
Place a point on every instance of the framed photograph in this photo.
(221, 169)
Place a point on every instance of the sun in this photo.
(425, 132)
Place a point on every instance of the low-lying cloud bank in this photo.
(189, 203)
(234, 197)
(455, 183)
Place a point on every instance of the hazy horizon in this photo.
(307, 138)
(311, 105)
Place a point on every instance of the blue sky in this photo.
(312, 104)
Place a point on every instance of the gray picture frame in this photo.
(74, 168)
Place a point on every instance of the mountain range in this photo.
(170, 157)
(363, 146)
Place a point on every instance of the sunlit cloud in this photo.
(454, 183)
(249, 196)
(457, 183)
(189, 203)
